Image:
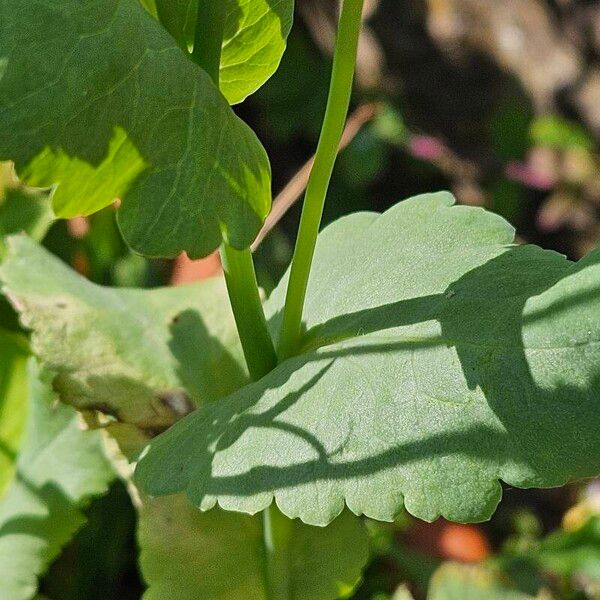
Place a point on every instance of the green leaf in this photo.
(254, 40)
(149, 358)
(187, 554)
(453, 581)
(130, 354)
(59, 469)
(438, 360)
(560, 134)
(22, 208)
(568, 554)
(112, 108)
(573, 553)
(13, 401)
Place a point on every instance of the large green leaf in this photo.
(254, 40)
(147, 357)
(144, 357)
(438, 360)
(186, 554)
(97, 98)
(58, 470)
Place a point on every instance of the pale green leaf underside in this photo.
(439, 359)
(144, 357)
(97, 98)
(59, 469)
(254, 40)
(187, 554)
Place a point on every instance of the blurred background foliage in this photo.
(496, 100)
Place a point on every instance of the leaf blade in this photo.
(227, 554)
(139, 362)
(254, 40)
(144, 124)
(463, 360)
(59, 470)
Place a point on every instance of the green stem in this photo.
(208, 38)
(261, 359)
(240, 276)
(277, 534)
(247, 310)
(344, 63)
(237, 265)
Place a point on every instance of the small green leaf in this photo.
(560, 134)
(13, 401)
(574, 553)
(186, 554)
(113, 108)
(438, 360)
(254, 40)
(22, 208)
(59, 469)
(130, 354)
(453, 581)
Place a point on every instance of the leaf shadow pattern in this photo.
(58, 508)
(205, 367)
(58, 471)
(139, 409)
(36, 522)
(429, 400)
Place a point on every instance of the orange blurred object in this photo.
(188, 271)
(78, 227)
(81, 263)
(449, 541)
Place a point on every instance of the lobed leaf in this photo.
(254, 39)
(438, 360)
(149, 358)
(98, 100)
(58, 470)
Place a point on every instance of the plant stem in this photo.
(344, 63)
(237, 265)
(247, 310)
(242, 286)
(277, 534)
(208, 38)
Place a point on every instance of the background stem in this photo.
(344, 63)
(237, 265)
(208, 37)
(247, 310)
(240, 277)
